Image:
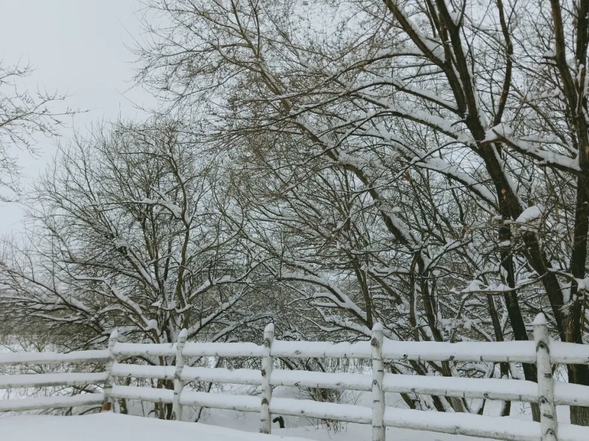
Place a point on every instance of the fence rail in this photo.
(548, 392)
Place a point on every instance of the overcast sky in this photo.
(79, 47)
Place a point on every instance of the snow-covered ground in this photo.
(219, 425)
(116, 427)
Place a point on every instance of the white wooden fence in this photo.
(548, 392)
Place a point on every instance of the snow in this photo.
(473, 286)
(583, 284)
(515, 390)
(222, 375)
(143, 393)
(568, 393)
(454, 172)
(11, 358)
(497, 352)
(316, 409)
(346, 381)
(115, 427)
(55, 402)
(143, 371)
(151, 325)
(321, 349)
(569, 353)
(243, 403)
(460, 423)
(540, 320)
(223, 350)
(509, 429)
(44, 380)
(533, 147)
(529, 214)
(145, 349)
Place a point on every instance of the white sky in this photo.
(78, 47)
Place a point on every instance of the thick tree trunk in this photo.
(579, 374)
(580, 415)
(513, 307)
(575, 323)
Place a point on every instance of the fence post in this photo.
(178, 383)
(267, 364)
(548, 421)
(107, 402)
(378, 398)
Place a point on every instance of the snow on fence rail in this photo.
(548, 392)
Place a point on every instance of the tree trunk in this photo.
(580, 415)
(579, 374)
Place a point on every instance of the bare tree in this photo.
(435, 149)
(23, 114)
(128, 234)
